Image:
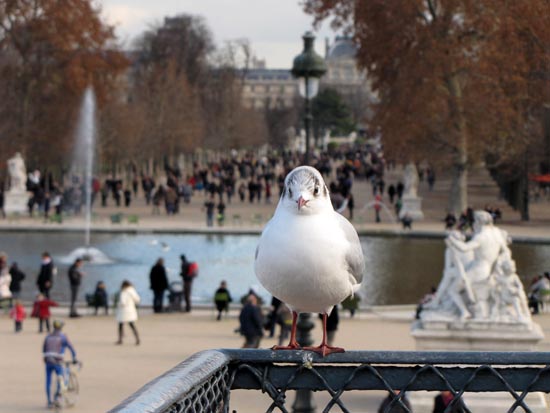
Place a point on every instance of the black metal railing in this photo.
(203, 383)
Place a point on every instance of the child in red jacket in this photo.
(41, 309)
(18, 314)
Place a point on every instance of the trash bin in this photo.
(116, 218)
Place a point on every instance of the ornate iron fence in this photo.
(203, 383)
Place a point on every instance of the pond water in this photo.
(399, 270)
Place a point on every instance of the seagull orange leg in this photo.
(324, 349)
(292, 344)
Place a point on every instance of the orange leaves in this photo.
(59, 48)
(488, 50)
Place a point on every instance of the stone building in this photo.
(272, 88)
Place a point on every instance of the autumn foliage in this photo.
(50, 51)
(458, 81)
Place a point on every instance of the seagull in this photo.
(309, 256)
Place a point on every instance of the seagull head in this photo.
(305, 192)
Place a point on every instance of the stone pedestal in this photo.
(477, 335)
(412, 206)
(16, 202)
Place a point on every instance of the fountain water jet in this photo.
(84, 155)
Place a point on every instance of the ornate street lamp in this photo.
(308, 67)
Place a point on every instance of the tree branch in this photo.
(432, 6)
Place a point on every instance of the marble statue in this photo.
(479, 279)
(411, 203)
(18, 173)
(410, 176)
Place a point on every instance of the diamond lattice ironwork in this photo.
(206, 380)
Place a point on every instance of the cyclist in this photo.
(53, 349)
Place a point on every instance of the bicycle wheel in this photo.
(70, 395)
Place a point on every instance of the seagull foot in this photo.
(325, 349)
(290, 346)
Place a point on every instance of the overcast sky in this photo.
(274, 27)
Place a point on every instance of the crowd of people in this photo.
(247, 178)
(465, 221)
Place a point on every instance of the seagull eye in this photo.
(316, 191)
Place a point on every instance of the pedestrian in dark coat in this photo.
(189, 270)
(399, 190)
(17, 277)
(44, 280)
(75, 278)
(391, 193)
(251, 320)
(159, 284)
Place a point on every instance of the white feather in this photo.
(309, 259)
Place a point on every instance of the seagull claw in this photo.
(325, 349)
(286, 348)
(290, 346)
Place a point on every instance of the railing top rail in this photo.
(160, 393)
(504, 358)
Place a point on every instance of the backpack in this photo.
(193, 270)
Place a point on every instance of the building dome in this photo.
(342, 48)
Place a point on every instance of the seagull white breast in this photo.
(310, 262)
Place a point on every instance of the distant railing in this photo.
(203, 383)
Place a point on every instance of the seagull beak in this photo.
(301, 202)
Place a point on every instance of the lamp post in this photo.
(308, 67)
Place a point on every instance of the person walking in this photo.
(377, 206)
(222, 298)
(17, 277)
(5, 280)
(391, 193)
(351, 205)
(18, 314)
(75, 278)
(53, 351)
(209, 206)
(284, 319)
(44, 280)
(41, 310)
(251, 320)
(189, 270)
(126, 312)
(272, 316)
(159, 284)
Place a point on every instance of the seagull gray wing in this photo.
(354, 256)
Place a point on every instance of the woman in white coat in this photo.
(126, 310)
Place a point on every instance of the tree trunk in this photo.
(458, 198)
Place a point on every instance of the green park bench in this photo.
(133, 219)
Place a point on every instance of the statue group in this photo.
(479, 279)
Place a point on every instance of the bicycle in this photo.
(67, 386)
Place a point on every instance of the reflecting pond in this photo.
(400, 270)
